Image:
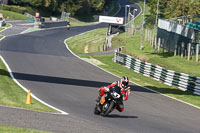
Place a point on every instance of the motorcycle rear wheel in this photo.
(96, 112)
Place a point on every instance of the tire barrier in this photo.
(182, 81)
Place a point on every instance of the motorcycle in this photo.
(68, 26)
(108, 102)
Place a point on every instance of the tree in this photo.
(172, 9)
(54, 6)
(194, 7)
(176, 8)
(70, 6)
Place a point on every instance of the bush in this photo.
(31, 10)
(16, 9)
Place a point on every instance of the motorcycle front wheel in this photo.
(108, 110)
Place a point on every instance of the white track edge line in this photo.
(130, 81)
(25, 109)
(26, 90)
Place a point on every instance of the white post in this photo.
(189, 48)
(175, 48)
(158, 44)
(182, 47)
(197, 52)
(141, 45)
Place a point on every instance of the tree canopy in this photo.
(53, 6)
(172, 8)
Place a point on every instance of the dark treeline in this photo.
(57, 6)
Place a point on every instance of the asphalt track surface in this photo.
(41, 62)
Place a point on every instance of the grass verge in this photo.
(76, 44)
(12, 95)
(3, 27)
(10, 129)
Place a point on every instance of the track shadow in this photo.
(120, 116)
(70, 81)
(4, 73)
(162, 55)
(170, 90)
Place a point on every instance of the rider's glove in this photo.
(106, 89)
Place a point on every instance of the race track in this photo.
(41, 62)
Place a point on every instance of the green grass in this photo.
(76, 22)
(12, 95)
(93, 39)
(167, 60)
(10, 129)
(12, 15)
(77, 44)
(7, 25)
(3, 27)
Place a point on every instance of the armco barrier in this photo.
(182, 81)
(53, 24)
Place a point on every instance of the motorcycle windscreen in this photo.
(102, 101)
(116, 89)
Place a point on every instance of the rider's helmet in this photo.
(124, 81)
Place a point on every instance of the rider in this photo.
(124, 90)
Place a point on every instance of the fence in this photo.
(173, 37)
(185, 19)
(29, 17)
(182, 81)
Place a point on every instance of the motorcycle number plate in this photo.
(116, 95)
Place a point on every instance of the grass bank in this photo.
(12, 95)
(164, 59)
(10, 129)
(12, 15)
(89, 42)
(77, 44)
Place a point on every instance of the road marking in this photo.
(26, 90)
(19, 108)
(26, 24)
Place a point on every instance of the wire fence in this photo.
(185, 19)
